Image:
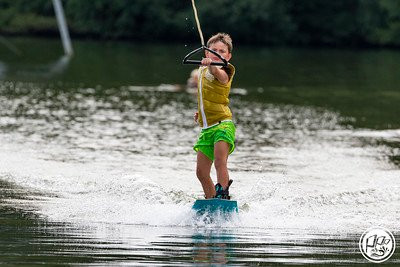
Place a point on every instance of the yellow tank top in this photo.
(213, 98)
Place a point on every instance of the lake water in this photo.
(97, 166)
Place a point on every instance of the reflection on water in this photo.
(39, 241)
(99, 168)
(358, 84)
(48, 70)
(116, 167)
(3, 70)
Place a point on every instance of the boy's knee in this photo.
(200, 173)
(220, 163)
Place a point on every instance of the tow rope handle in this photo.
(187, 61)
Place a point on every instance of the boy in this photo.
(217, 138)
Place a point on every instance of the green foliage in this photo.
(32, 23)
(7, 12)
(324, 22)
(293, 22)
(389, 30)
(250, 21)
(27, 17)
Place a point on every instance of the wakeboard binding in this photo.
(222, 193)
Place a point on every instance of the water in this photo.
(96, 160)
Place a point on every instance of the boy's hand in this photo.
(206, 61)
(218, 72)
(196, 117)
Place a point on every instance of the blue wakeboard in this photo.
(212, 205)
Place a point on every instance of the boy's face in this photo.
(221, 49)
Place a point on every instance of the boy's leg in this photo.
(203, 174)
(221, 152)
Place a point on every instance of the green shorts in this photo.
(225, 131)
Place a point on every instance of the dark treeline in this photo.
(272, 22)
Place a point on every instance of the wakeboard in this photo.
(213, 205)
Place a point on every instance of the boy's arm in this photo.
(218, 73)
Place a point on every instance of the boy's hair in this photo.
(221, 37)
